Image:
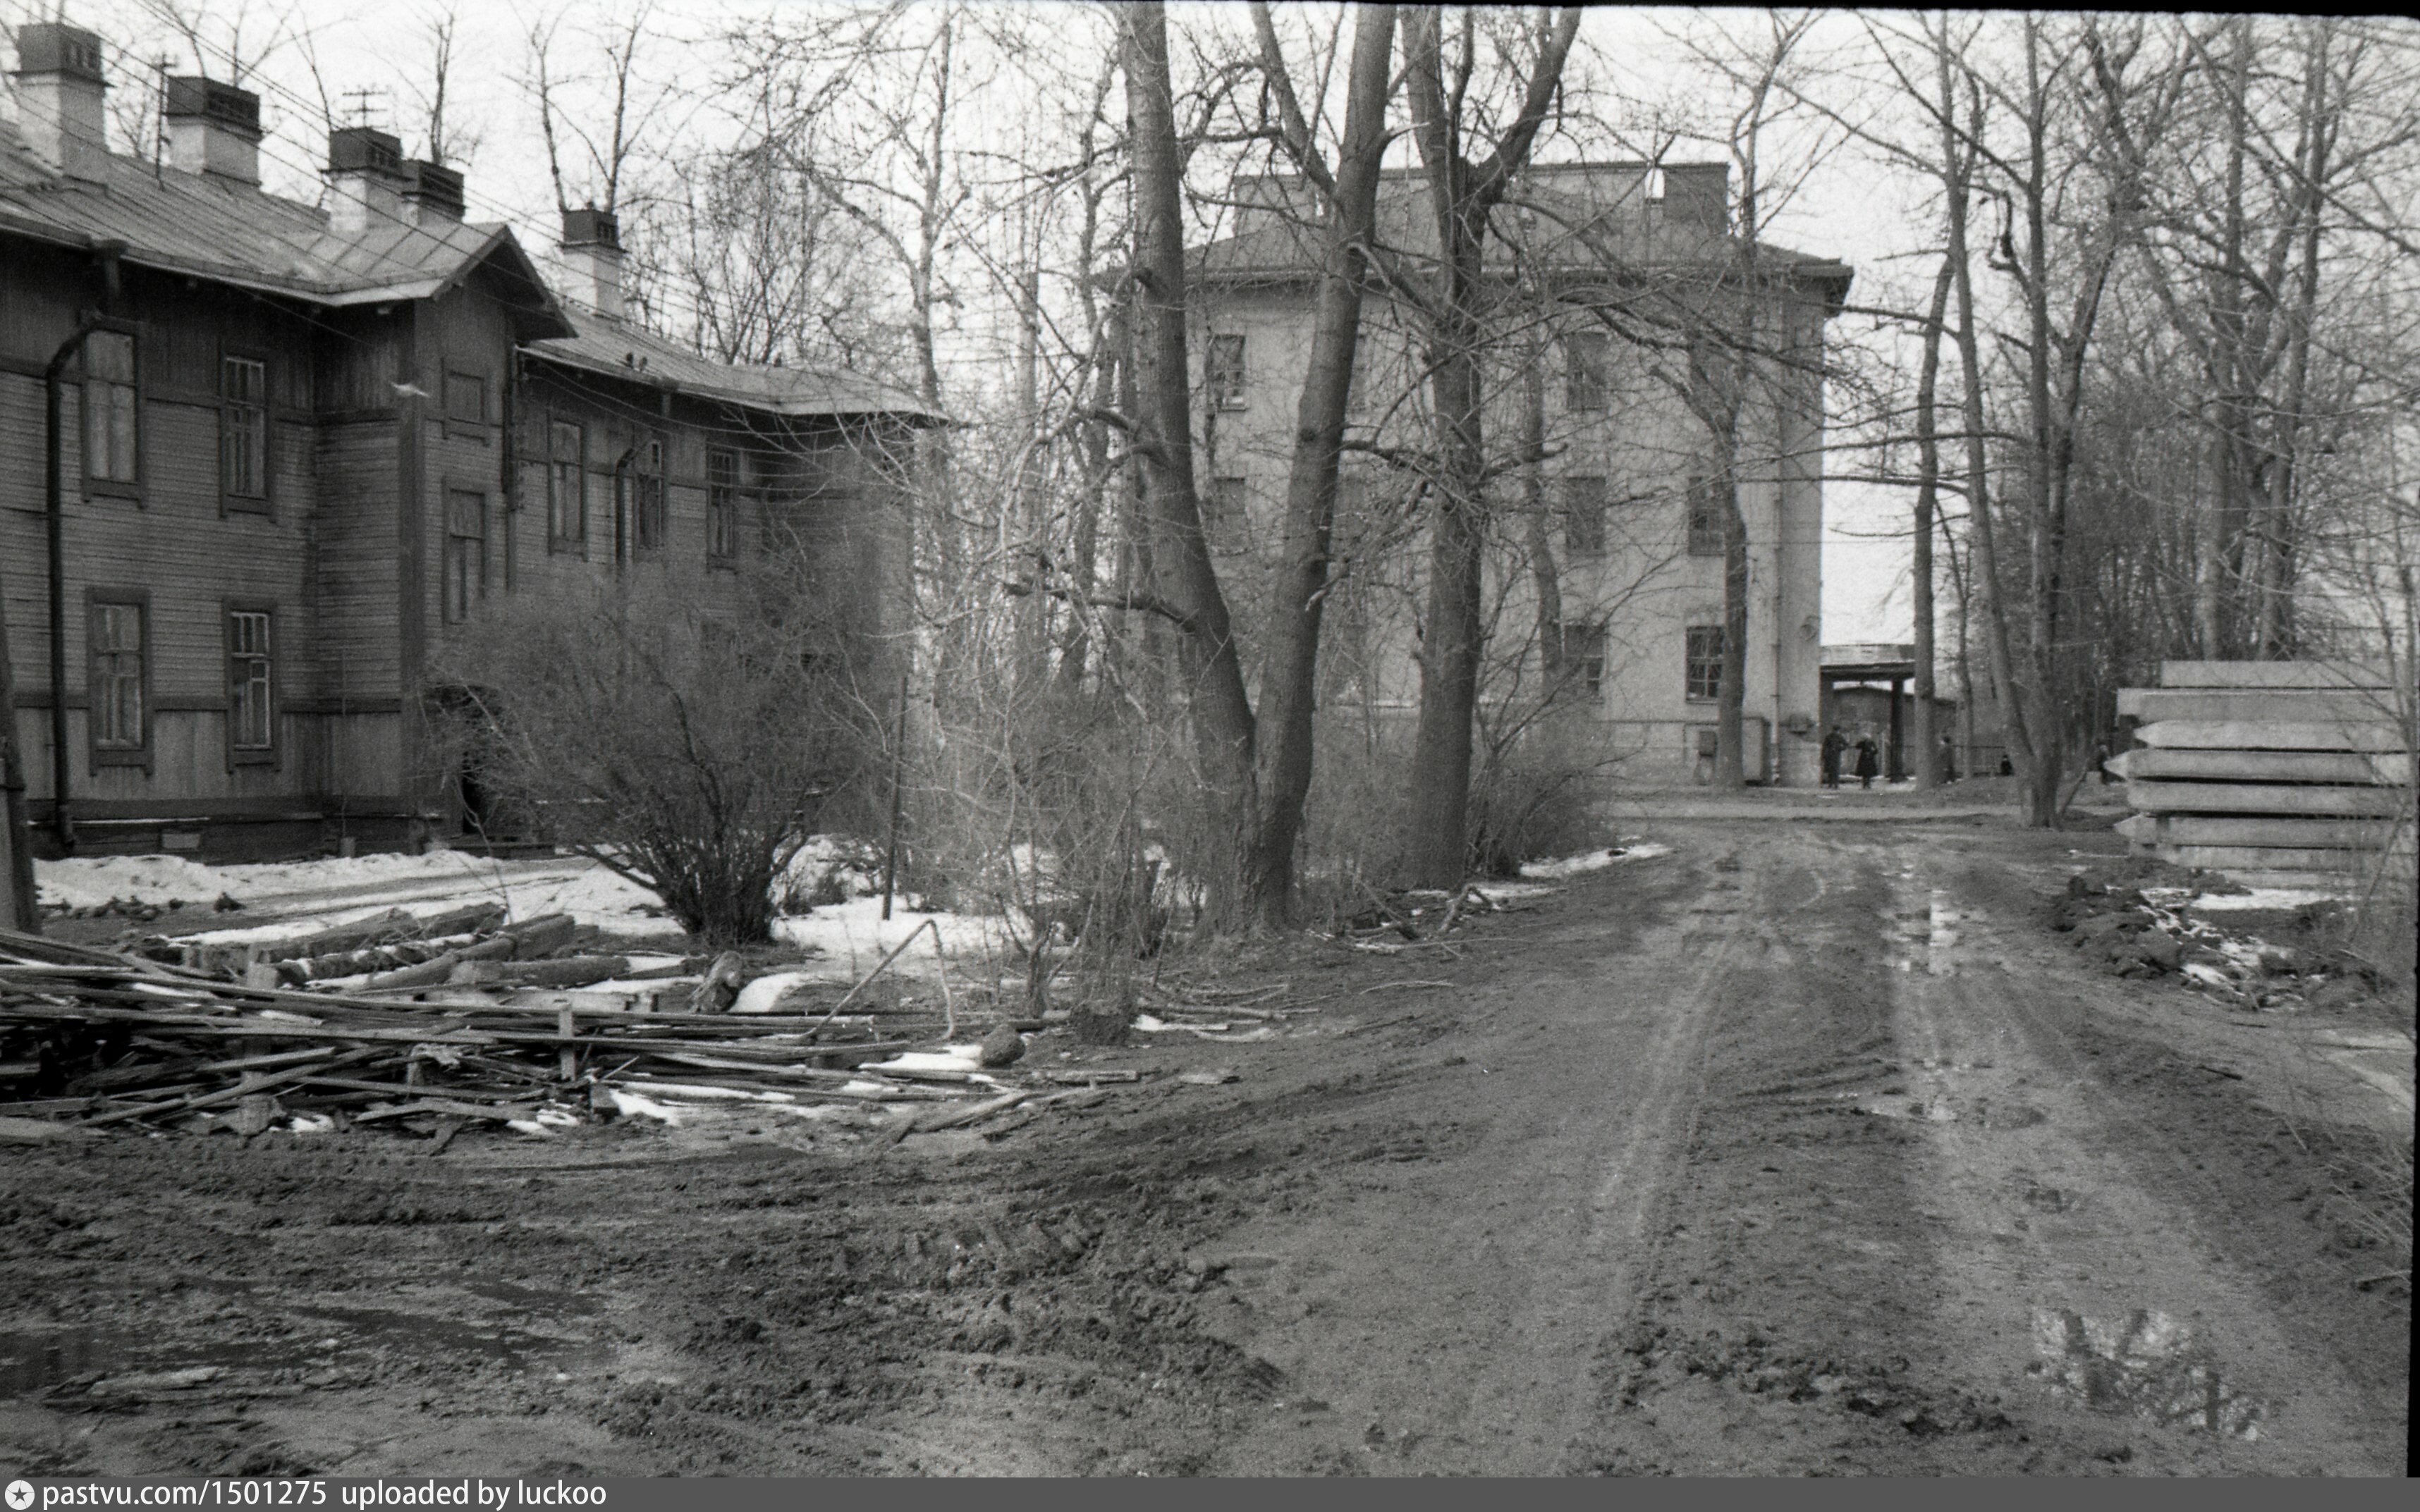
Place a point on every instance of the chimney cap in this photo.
(435, 186)
(365, 150)
(55, 47)
(221, 105)
(592, 227)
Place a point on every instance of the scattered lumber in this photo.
(104, 1041)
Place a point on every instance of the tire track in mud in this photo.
(2082, 1278)
(1444, 1319)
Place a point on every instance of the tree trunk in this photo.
(1211, 670)
(1927, 489)
(1461, 194)
(1290, 689)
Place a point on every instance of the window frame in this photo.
(239, 754)
(722, 506)
(558, 539)
(1697, 501)
(480, 429)
(231, 502)
(452, 584)
(647, 501)
(1588, 544)
(1691, 660)
(139, 752)
(1586, 645)
(1228, 384)
(95, 486)
(1588, 390)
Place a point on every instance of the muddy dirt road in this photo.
(1800, 1149)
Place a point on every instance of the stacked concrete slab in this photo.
(2278, 773)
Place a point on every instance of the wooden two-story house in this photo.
(262, 464)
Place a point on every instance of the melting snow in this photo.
(1594, 860)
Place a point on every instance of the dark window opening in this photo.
(721, 503)
(1226, 371)
(1588, 357)
(244, 432)
(466, 552)
(1584, 515)
(118, 665)
(1706, 519)
(567, 498)
(1704, 674)
(648, 481)
(252, 710)
(112, 409)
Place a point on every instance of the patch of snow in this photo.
(854, 936)
(1571, 866)
(949, 1058)
(1497, 892)
(764, 995)
(2207, 975)
(2284, 898)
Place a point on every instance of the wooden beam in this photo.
(2234, 858)
(2198, 829)
(2297, 705)
(2273, 674)
(2269, 734)
(2279, 798)
(2266, 766)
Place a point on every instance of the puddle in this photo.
(302, 1335)
(2148, 1365)
(1901, 1105)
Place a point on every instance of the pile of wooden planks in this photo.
(99, 1040)
(2277, 773)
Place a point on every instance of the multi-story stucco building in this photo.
(1629, 331)
(301, 453)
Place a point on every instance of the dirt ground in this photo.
(1804, 1149)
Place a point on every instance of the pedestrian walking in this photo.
(1868, 760)
(1833, 744)
(1948, 759)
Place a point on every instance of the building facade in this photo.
(1640, 360)
(300, 453)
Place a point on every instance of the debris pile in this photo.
(2133, 918)
(464, 1020)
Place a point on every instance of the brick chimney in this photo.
(214, 129)
(59, 85)
(366, 178)
(592, 251)
(432, 195)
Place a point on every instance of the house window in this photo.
(466, 404)
(1706, 519)
(1227, 372)
(1225, 506)
(466, 552)
(721, 503)
(244, 432)
(1584, 657)
(567, 499)
(1584, 515)
(647, 520)
(111, 434)
(1588, 361)
(118, 671)
(1704, 674)
(252, 711)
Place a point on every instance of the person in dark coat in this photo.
(1948, 759)
(1833, 744)
(1868, 760)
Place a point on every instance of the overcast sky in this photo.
(1847, 206)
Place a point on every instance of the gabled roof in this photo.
(629, 354)
(233, 234)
